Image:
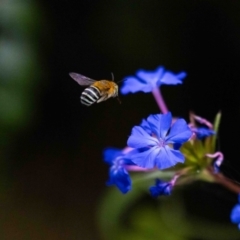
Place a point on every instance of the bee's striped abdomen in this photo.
(90, 95)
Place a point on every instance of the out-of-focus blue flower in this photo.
(146, 81)
(203, 132)
(161, 188)
(235, 214)
(216, 168)
(118, 175)
(155, 140)
(109, 154)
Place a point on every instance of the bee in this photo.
(98, 90)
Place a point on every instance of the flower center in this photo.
(161, 142)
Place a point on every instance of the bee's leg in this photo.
(119, 100)
(103, 98)
(115, 95)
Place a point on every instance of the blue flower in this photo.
(155, 140)
(146, 81)
(235, 214)
(203, 132)
(111, 153)
(118, 174)
(161, 188)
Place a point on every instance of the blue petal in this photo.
(160, 124)
(235, 214)
(168, 157)
(202, 132)
(147, 158)
(109, 154)
(155, 191)
(167, 190)
(160, 188)
(173, 79)
(133, 84)
(165, 123)
(145, 125)
(179, 133)
(216, 168)
(140, 138)
(146, 81)
(151, 77)
(153, 122)
(177, 146)
(121, 179)
(127, 157)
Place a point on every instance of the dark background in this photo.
(53, 173)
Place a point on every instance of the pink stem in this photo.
(134, 168)
(203, 121)
(218, 155)
(127, 150)
(174, 180)
(234, 187)
(159, 99)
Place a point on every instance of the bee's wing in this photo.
(81, 80)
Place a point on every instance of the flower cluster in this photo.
(176, 152)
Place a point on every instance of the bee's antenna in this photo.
(118, 81)
(112, 76)
(122, 80)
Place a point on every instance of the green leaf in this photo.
(215, 128)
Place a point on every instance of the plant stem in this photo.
(228, 183)
(159, 99)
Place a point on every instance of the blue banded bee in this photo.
(97, 91)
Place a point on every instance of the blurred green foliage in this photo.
(19, 65)
(138, 216)
(19, 75)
